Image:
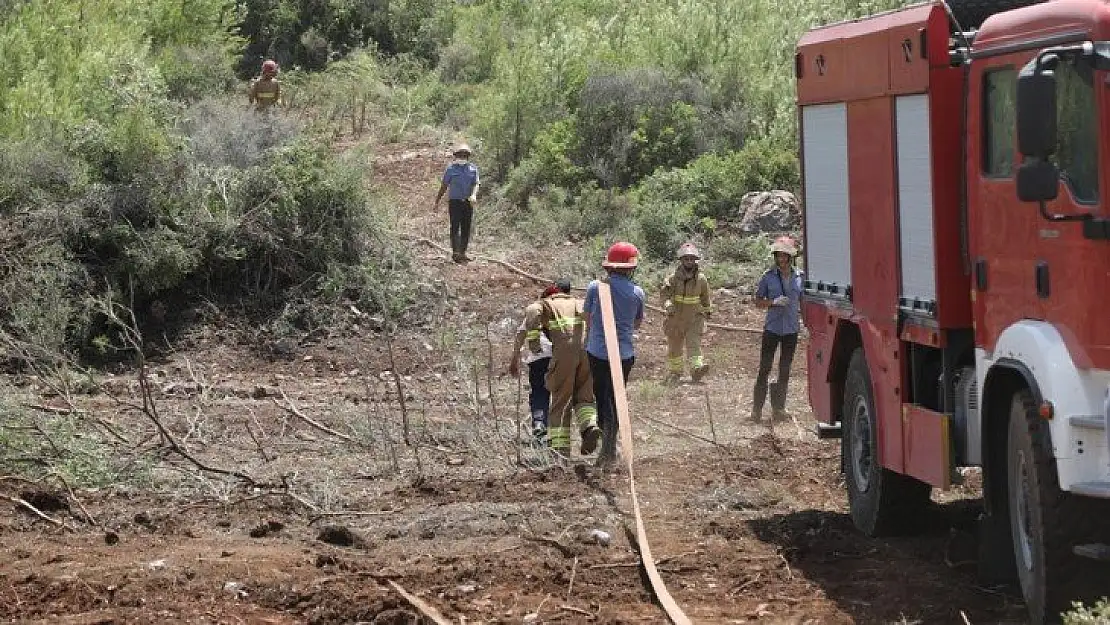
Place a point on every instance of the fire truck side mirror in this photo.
(1037, 180)
(1036, 108)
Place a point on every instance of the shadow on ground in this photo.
(926, 576)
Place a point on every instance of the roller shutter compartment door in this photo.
(825, 154)
(915, 201)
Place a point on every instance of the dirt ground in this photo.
(333, 508)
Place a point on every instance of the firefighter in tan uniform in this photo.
(265, 91)
(568, 379)
(687, 302)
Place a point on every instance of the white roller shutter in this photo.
(915, 201)
(825, 154)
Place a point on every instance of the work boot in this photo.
(699, 372)
(590, 438)
(673, 378)
(539, 434)
(779, 414)
(757, 414)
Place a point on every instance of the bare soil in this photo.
(750, 528)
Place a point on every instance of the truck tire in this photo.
(972, 13)
(882, 502)
(1045, 522)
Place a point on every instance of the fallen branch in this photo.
(681, 430)
(39, 513)
(542, 280)
(420, 605)
(88, 516)
(293, 410)
(570, 608)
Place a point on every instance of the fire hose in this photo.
(609, 326)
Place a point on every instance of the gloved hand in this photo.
(781, 300)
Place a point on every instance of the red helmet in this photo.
(270, 67)
(621, 255)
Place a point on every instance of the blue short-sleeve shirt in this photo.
(628, 306)
(782, 319)
(460, 179)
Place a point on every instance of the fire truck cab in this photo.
(956, 186)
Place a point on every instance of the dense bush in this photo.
(713, 185)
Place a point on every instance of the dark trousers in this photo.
(786, 344)
(539, 398)
(461, 212)
(606, 402)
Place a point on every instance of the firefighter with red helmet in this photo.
(629, 302)
(779, 293)
(687, 304)
(559, 316)
(265, 91)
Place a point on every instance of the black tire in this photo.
(972, 13)
(1046, 522)
(882, 502)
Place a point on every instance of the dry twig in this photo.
(420, 605)
(19, 501)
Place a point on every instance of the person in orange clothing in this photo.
(688, 304)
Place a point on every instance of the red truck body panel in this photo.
(1010, 247)
(867, 64)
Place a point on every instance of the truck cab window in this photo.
(1077, 148)
(999, 122)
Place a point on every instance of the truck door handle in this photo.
(1040, 274)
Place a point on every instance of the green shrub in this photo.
(713, 185)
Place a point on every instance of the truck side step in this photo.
(1092, 489)
(824, 430)
(1094, 551)
(1092, 422)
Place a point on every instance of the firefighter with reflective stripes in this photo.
(568, 379)
(265, 91)
(539, 398)
(688, 304)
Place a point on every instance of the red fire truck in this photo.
(956, 180)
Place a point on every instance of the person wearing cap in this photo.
(779, 293)
(460, 182)
(687, 304)
(539, 398)
(559, 316)
(629, 302)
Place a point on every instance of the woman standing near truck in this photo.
(779, 292)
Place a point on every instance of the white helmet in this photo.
(688, 249)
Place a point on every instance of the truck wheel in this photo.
(1046, 522)
(881, 501)
(972, 13)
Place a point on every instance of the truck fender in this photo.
(1036, 354)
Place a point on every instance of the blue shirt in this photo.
(781, 319)
(460, 179)
(628, 306)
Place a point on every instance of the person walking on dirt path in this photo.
(629, 302)
(539, 397)
(560, 316)
(460, 182)
(688, 305)
(265, 91)
(779, 292)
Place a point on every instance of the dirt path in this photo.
(751, 529)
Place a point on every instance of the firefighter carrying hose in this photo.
(687, 303)
(560, 317)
